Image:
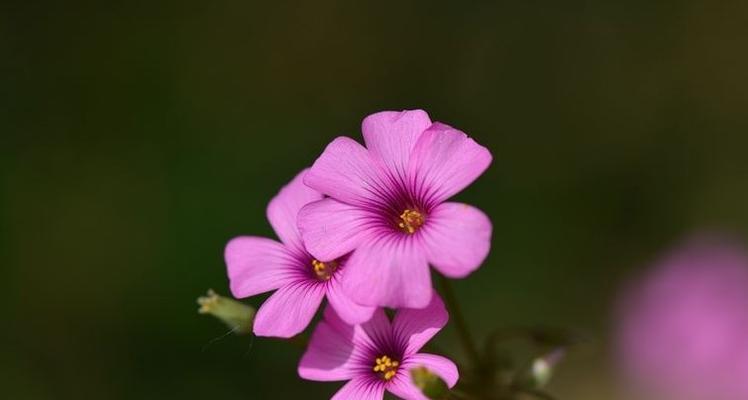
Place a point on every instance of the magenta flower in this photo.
(377, 355)
(387, 202)
(684, 329)
(257, 265)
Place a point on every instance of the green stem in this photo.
(456, 315)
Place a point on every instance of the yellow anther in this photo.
(324, 270)
(411, 221)
(386, 367)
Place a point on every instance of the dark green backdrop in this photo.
(136, 138)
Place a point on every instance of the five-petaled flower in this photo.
(387, 205)
(256, 265)
(379, 354)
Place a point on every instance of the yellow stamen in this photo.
(386, 367)
(324, 270)
(411, 221)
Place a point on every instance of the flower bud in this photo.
(543, 367)
(238, 316)
(431, 385)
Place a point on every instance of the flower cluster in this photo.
(360, 228)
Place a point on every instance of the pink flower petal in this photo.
(390, 136)
(284, 207)
(415, 327)
(376, 330)
(445, 161)
(346, 308)
(441, 366)
(402, 386)
(361, 388)
(389, 272)
(289, 310)
(347, 172)
(457, 238)
(257, 265)
(329, 356)
(363, 336)
(331, 229)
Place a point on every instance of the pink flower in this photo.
(684, 329)
(377, 355)
(387, 202)
(257, 265)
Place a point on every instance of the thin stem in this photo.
(456, 314)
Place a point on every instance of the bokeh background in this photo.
(136, 138)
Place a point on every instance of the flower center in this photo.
(324, 270)
(386, 367)
(410, 221)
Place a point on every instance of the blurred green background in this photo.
(136, 138)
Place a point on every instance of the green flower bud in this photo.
(431, 385)
(238, 316)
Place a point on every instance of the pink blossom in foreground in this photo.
(377, 355)
(684, 329)
(257, 265)
(387, 202)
